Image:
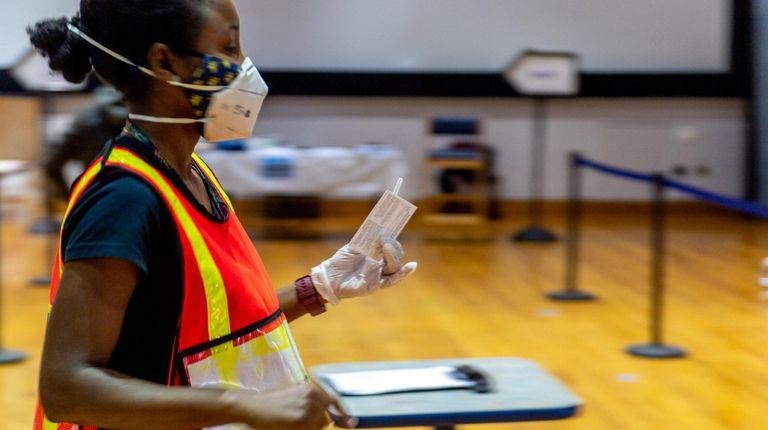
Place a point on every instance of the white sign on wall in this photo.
(544, 74)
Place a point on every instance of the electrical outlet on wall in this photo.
(703, 170)
(680, 170)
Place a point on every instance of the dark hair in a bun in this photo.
(129, 29)
(66, 52)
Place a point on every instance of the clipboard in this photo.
(375, 382)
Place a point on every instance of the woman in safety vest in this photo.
(162, 314)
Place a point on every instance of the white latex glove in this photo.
(351, 274)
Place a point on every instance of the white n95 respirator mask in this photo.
(226, 97)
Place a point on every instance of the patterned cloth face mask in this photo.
(226, 97)
(213, 72)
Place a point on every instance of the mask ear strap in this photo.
(125, 60)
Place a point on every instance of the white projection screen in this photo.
(401, 36)
(645, 36)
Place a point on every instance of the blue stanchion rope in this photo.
(616, 171)
(744, 206)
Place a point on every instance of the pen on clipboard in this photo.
(399, 184)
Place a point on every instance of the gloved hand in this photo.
(351, 274)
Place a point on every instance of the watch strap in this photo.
(308, 296)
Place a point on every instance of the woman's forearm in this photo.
(76, 387)
(289, 303)
(99, 397)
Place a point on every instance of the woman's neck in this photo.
(175, 142)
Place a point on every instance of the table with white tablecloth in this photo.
(362, 172)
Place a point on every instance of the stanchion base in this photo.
(534, 233)
(44, 226)
(8, 356)
(655, 350)
(571, 296)
(41, 281)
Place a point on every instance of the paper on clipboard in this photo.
(388, 218)
(372, 382)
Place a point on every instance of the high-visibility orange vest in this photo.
(232, 333)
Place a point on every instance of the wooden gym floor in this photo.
(486, 298)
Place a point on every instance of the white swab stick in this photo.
(399, 183)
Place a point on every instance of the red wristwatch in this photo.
(308, 296)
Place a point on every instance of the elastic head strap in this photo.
(164, 120)
(106, 50)
(125, 60)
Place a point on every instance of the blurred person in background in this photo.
(162, 313)
(102, 120)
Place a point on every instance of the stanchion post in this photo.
(48, 224)
(658, 240)
(7, 356)
(50, 251)
(538, 160)
(535, 232)
(573, 235)
(656, 348)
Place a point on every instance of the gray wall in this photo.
(705, 136)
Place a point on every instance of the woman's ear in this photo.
(163, 62)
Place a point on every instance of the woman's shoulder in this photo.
(119, 190)
(118, 200)
(118, 216)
